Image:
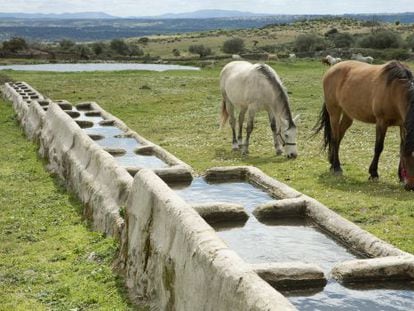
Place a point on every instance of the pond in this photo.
(96, 67)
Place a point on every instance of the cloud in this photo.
(156, 7)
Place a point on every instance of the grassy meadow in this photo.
(49, 258)
(179, 111)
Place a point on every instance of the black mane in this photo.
(409, 121)
(264, 69)
(394, 70)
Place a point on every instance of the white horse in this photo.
(251, 88)
(330, 60)
(365, 59)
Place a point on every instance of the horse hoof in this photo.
(244, 152)
(336, 172)
(373, 178)
(235, 147)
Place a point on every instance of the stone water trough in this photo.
(231, 239)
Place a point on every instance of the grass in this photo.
(49, 259)
(179, 111)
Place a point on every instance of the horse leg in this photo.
(340, 130)
(241, 121)
(232, 121)
(334, 119)
(276, 138)
(402, 142)
(249, 129)
(381, 130)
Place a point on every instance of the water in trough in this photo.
(111, 137)
(292, 240)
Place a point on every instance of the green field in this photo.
(49, 258)
(179, 111)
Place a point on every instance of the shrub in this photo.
(383, 39)
(119, 46)
(176, 52)
(410, 42)
(233, 46)
(14, 44)
(331, 32)
(342, 40)
(135, 51)
(98, 48)
(143, 40)
(309, 43)
(66, 44)
(199, 49)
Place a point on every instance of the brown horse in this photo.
(380, 94)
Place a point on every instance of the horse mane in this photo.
(394, 70)
(409, 121)
(265, 70)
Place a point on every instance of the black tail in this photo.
(325, 124)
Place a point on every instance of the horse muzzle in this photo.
(409, 183)
(292, 155)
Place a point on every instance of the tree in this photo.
(119, 46)
(14, 44)
(199, 49)
(233, 46)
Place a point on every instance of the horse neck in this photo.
(283, 110)
(409, 121)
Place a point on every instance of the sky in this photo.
(124, 8)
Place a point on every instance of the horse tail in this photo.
(325, 124)
(224, 114)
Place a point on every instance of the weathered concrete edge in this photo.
(29, 113)
(347, 232)
(291, 275)
(216, 212)
(379, 269)
(87, 170)
(176, 260)
(158, 151)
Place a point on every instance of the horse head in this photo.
(288, 136)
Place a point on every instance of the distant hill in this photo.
(80, 15)
(209, 14)
(101, 26)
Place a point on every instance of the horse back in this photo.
(361, 91)
(244, 86)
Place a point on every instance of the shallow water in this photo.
(256, 242)
(113, 137)
(135, 160)
(96, 67)
(397, 297)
